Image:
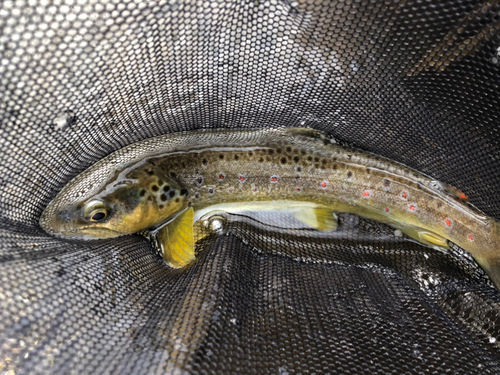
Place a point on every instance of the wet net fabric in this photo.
(417, 82)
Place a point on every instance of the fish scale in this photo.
(300, 169)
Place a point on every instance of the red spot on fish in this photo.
(404, 195)
(470, 237)
(242, 178)
(324, 184)
(387, 209)
(230, 190)
(342, 199)
(448, 222)
(412, 207)
(221, 176)
(255, 189)
(367, 193)
(274, 179)
(298, 189)
(463, 196)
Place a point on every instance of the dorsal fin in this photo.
(455, 192)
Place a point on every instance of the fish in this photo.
(165, 184)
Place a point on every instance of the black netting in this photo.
(417, 82)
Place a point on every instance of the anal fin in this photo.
(317, 218)
(176, 240)
(427, 238)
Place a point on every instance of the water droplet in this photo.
(215, 224)
(64, 120)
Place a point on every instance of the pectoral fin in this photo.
(177, 240)
(317, 218)
(426, 237)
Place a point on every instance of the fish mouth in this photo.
(87, 233)
(91, 233)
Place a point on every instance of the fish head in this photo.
(125, 205)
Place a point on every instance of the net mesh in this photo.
(417, 82)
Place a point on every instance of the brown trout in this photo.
(176, 178)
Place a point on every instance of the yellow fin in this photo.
(317, 218)
(177, 240)
(434, 239)
(426, 237)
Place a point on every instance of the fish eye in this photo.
(98, 216)
(96, 211)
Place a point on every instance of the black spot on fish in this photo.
(349, 174)
(183, 165)
(316, 165)
(439, 205)
(278, 150)
(323, 161)
(236, 157)
(163, 197)
(150, 172)
(221, 156)
(387, 182)
(299, 169)
(261, 160)
(166, 188)
(154, 188)
(184, 191)
(270, 152)
(283, 160)
(288, 149)
(172, 193)
(316, 159)
(250, 153)
(303, 152)
(150, 198)
(204, 161)
(368, 170)
(309, 158)
(197, 195)
(173, 174)
(161, 206)
(211, 191)
(177, 200)
(334, 166)
(160, 182)
(142, 193)
(296, 159)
